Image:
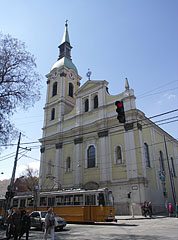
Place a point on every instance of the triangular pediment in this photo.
(91, 85)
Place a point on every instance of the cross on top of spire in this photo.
(66, 23)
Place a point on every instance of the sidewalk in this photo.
(140, 217)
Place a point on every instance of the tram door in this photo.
(89, 212)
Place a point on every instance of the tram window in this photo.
(101, 199)
(110, 199)
(22, 202)
(90, 200)
(59, 200)
(30, 202)
(1, 204)
(15, 202)
(68, 200)
(43, 201)
(78, 199)
(51, 201)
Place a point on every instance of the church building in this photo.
(85, 146)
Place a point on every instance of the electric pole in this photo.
(10, 189)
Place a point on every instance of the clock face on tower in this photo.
(71, 76)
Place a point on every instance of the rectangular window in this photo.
(15, 202)
(90, 200)
(22, 203)
(43, 201)
(51, 201)
(59, 200)
(30, 202)
(173, 167)
(68, 200)
(78, 199)
(1, 204)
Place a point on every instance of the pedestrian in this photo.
(49, 224)
(170, 210)
(144, 208)
(26, 223)
(150, 211)
(16, 222)
(10, 227)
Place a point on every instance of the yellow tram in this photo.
(73, 205)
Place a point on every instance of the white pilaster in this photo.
(130, 153)
(78, 165)
(104, 160)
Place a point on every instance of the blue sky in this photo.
(114, 38)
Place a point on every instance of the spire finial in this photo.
(66, 23)
(126, 84)
(88, 74)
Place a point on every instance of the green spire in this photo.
(66, 34)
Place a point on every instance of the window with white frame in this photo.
(173, 167)
(91, 157)
(68, 164)
(118, 155)
(147, 155)
(71, 90)
(54, 90)
(86, 105)
(53, 114)
(95, 101)
(161, 160)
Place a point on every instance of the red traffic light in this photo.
(119, 104)
(120, 111)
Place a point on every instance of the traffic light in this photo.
(120, 111)
(9, 194)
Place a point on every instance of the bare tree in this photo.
(30, 177)
(19, 83)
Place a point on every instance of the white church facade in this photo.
(84, 145)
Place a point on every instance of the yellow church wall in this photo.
(150, 172)
(68, 150)
(118, 171)
(48, 115)
(90, 174)
(90, 116)
(49, 156)
(137, 151)
(69, 123)
(70, 99)
(51, 129)
(71, 113)
(54, 98)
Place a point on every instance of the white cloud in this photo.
(171, 96)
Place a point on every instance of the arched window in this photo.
(173, 167)
(118, 155)
(53, 114)
(71, 90)
(54, 92)
(86, 105)
(96, 101)
(161, 159)
(147, 155)
(49, 168)
(68, 164)
(91, 161)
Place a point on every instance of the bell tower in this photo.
(62, 82)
